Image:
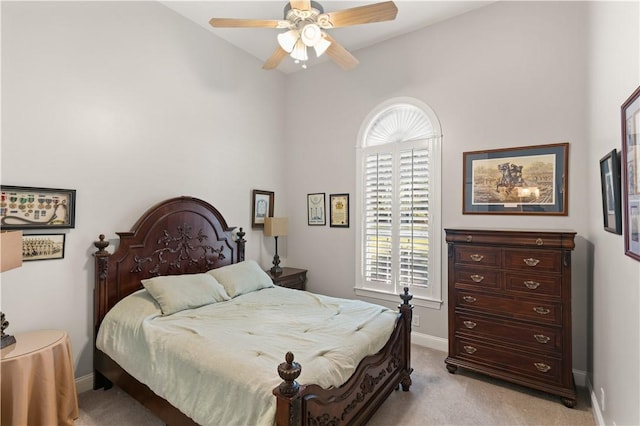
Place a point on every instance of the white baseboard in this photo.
(428, 341)
(84, 383)
(595, 405)
(580, 377)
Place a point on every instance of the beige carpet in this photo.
(436, 398)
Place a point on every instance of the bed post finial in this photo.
(241, 242)
(289, 372)
(288, 393)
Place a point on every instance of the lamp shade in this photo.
(275, 226)
(300, 51)
(288, 40)
(321, 46)
(10, 250)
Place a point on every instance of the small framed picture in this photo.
(316, 209)
(23, 207)
(610, 188)
(42, 246)
(630, 169)
(339, 210)
(262, 208)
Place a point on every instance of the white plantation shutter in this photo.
(397, 230)
(414, 218)
(378, 218)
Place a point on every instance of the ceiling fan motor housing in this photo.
(315, 9)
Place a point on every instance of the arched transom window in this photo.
(398, 165)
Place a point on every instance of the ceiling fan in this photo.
(305, 22)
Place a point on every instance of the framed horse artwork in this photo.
(529, 180)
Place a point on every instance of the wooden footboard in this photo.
(359, 398)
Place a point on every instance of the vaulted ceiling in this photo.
(261, 42)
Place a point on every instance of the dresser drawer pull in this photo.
(469, 349)
(470, 324)
(541, 310)
(477, 278)
(542, 366)
(530, 261)
(541, 338)
(476, 257)
(531, 285)
(469, 238)
(469, 299)
(539, 242)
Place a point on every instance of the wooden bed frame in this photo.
(187, 235)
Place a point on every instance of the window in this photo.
(398, 208)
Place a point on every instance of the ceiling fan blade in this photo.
(244, 23)
(300, 4)
(378, 12)
(274, 60)
(340, 55)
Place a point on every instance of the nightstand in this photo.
(290, 278)
(38, 383)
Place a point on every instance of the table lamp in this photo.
(10, 258)
(275, 227)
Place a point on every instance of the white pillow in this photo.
(241, 278)
(175, 293)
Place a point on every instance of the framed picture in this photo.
(529, 180)
(316, 209)
(262, 208)
(42, 246)
(339, 210)
(610, 187)
(630, 115)
(23, 207)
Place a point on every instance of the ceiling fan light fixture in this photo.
(311, 34)
(321, 46)
(287, 40)
(300, 51)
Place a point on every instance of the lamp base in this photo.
(275, 270)
(7, 340)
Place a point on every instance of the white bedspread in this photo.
(218, 363)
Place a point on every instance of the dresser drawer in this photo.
(540, 311)
(478, 256)
(547, 339)
(533, 260)
(477, 278)
(540, 367)
(533, 284)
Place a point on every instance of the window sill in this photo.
(392, 297)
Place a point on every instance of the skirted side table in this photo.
(37, 380)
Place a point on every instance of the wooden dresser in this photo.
(510, 307)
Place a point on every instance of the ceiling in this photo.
(261, 42)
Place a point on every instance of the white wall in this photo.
(129, 104)
(506, 75)
(614, 73)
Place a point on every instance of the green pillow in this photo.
(175, 293)
(241, 278)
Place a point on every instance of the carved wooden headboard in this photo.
(182, 235)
